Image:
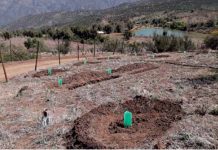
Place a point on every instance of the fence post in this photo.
(59, 55)
(115, 47)
(10, 50)
(94, 47)
(78, 51)
(37, 55)
(84, 46)
(122, 47)
(3, 66)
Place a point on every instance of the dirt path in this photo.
(16, 68)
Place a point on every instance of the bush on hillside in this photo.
(32, 43)
(65, 47)
(178, 26)
(165, 43)
(108, 29)
(110, 45)
(118, 28)
(127, 34)
(212, 42)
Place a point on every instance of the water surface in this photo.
(149, 32)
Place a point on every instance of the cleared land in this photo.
(173, 98)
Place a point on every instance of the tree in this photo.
(127, 34)
(30, 43)
(65, 47)
(108, 29)
(210, 23)
(212, 42)
(58, 35)
(118, 28)
(6, 35)
(130, 25)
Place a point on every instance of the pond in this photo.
(149, 32)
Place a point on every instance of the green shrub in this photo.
(110, 45)
(65, 47)
(214, 111)
(108, 29)
(165, 43)
(32, 43)
(118, 28)
(127, 34)
(135, 47)
(151, 47)
(179, 26)
(6, 35)
(212, 42)
(130, 25)
(19, 56)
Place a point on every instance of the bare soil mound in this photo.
(103, 127)
(45, 73)
(84, 78)
(135, 68)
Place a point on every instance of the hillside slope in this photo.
(11, 10)
(122, 12)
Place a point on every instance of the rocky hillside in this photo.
(123, 12)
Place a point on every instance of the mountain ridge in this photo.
(11, 10)
(122, 12)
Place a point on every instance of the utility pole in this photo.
(37, 55)
(3, 66)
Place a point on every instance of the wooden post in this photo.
(122, 47)
(94, 47)
(37, 55)
(103, 47)
(3, 66)
(84, 46)
(78, 51)
(59, 54)
(115, 48)
(10, 50)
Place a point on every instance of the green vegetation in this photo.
(165, 43)
(20, 56)
(108, 29)
(127, 34)
(33, 42)
(136, 47)
(6, 35)
(212, 42)
(17, 55)
(65, 47)
(122, 13)
(214, 111)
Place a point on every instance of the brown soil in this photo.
(162, 56)
(45, 73)
(89, 62)
(135, 68)
(84, 78)
(103, 127)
